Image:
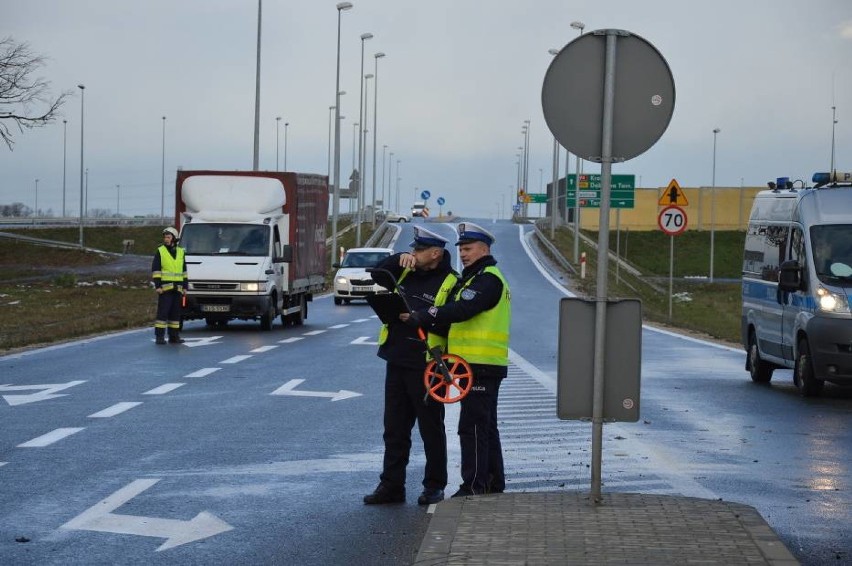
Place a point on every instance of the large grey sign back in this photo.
(573, 94)
(575, 384)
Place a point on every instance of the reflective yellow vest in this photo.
(484, 339)
(172, 270)
(440, 299)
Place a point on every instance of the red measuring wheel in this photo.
(451, 386)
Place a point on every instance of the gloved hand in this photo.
(413, 320)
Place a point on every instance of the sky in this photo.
(458, 81)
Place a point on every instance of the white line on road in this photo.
(313, 333)
(336, 326)
(116, 409)
(262, 349)
(50, 438)
(364, 341)
(235, 359)
(290, 340)
(3, 464)
(202, 372)
(361, 320)
(164, 388)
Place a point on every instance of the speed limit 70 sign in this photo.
(672, 220)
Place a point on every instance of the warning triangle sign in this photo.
(673, 195)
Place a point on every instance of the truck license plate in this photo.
(215, 308)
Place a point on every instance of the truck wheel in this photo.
(803, 373)
(268, 318)
(761, 371)
(338, 301)
(299, 317)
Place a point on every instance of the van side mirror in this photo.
(286, 255)
(790, 276)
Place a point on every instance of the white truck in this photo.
(255, 244)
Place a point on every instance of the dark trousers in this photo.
(404, 391)
(481, 451)
(168, 314)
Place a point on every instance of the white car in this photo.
(391, 216)
(352, 280)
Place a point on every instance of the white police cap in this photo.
(424, 238)
(470, 232)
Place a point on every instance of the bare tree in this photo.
(25, 102)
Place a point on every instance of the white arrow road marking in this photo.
(336, 326)
(204, 341)
(50, 438)
(262, 349)
(164, 388)
(290, 340)
(313, 332)
(116, 409)
(364, 341)
(202, 372)
(100, 518)
(289, 389)
(235, 359)
(49, 392)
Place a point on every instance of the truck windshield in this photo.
(832, 248)
(225, 239)
(363, 259)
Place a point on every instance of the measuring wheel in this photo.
(452, 386)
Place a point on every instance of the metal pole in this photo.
(833, 122)
(286, 127)
(579, 26)
(330, 135)
(554, 189)
(336, 201)
(526, 166)
(390, 179)
(117, 201)
(713, 206)
(163, 175)
(363, 164)
(364, 37)
(277, 123)
(257, 95)
(671, 274)
(64, 160)
(376, 58)
(602, 272)
(82, 99)
(384, 150)
(35, 210)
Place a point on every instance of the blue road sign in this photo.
(441, 201)
(425, 195)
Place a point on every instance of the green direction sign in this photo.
(621, 191)
(538, 198)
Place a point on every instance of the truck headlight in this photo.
(254, 287)
(832, 302)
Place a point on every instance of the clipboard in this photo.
(388, 306)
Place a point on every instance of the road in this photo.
(250, 447)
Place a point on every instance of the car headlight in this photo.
(832, 302)
(342, 281)
(254, 287)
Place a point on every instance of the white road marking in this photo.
(313, 332)
(49, 391)
(164, 388)
(50, 438)
(116, 409)
(364, 341)
(290, 340)
(202, 372)
(336, 326)
(262, 349)
(204, 341)
(361, 320)
(289, 389)
(100, 517)
(3, 464)
(235, 359)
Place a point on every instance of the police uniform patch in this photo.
(433, 311)
(468, 294)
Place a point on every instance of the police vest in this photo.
(172, 271)
(484, 339)
(440, 298)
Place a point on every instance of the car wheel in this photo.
(347, 301)
(403, 220)
(760, 370)
(803, 373)
(338, 301)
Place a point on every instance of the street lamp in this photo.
(286, 125)
(330, 135)
(336, 206)
(363, 164)
(364, 37)
(554, 189)
(376, 58)
(390, 182)
(257, 95)
(64, 159)
(82, 99)
(277, 124)
(579, 26)
(354, 144)
(117, 201)
(384, 151)
(526, 163)
(713, 204)
(35, 210)
(163, 174)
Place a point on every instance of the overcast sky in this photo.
(459, 79)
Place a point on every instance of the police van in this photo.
(797, 282)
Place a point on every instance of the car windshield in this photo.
(363, 259)
(225, 239)
(832, 249)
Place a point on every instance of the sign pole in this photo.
(671, 272)
(617, 244)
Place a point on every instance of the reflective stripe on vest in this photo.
(484, 339)
(171, 269)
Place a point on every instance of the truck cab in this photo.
(797, 282)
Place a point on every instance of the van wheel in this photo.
(760, 370)
(803, 373)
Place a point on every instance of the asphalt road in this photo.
(231, 449)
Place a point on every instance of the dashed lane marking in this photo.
(164, 388)
(202, 372)
(290, 340)
(336, 326)
(262, 349)
(116, 409)
(313, 332)
(235, 359)
(361, 320)
(50, 437)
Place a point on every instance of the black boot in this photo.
(384, 494)
(159, 336)
(174, 338)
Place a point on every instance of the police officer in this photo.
(479, 312)
(168, 271)
(426, 278)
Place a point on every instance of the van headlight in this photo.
(832, 302)
(254, 287)
(342, 281)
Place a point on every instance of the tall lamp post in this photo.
(384, 151)
(117, 201)
(554, 190)
(713, 205)
(35, 210)
(390, 178)
(363, 164)
(255, 164)
(526, 164)
(286, 125)
(163, 174)
(64, 160)
(376, 58)
(277, 124)
(82, 106)
(579, 26)
(330, 135)
(361, 176)
(336, 200)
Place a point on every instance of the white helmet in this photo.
(171, 231)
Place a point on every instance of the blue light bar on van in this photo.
(820, 179)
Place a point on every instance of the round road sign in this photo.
(672, 220)
(425, 195)
(441, 201)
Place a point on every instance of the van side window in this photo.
(797, 246)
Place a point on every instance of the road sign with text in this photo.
(621, 195)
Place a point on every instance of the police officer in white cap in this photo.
(426, 277)
(479, 314)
